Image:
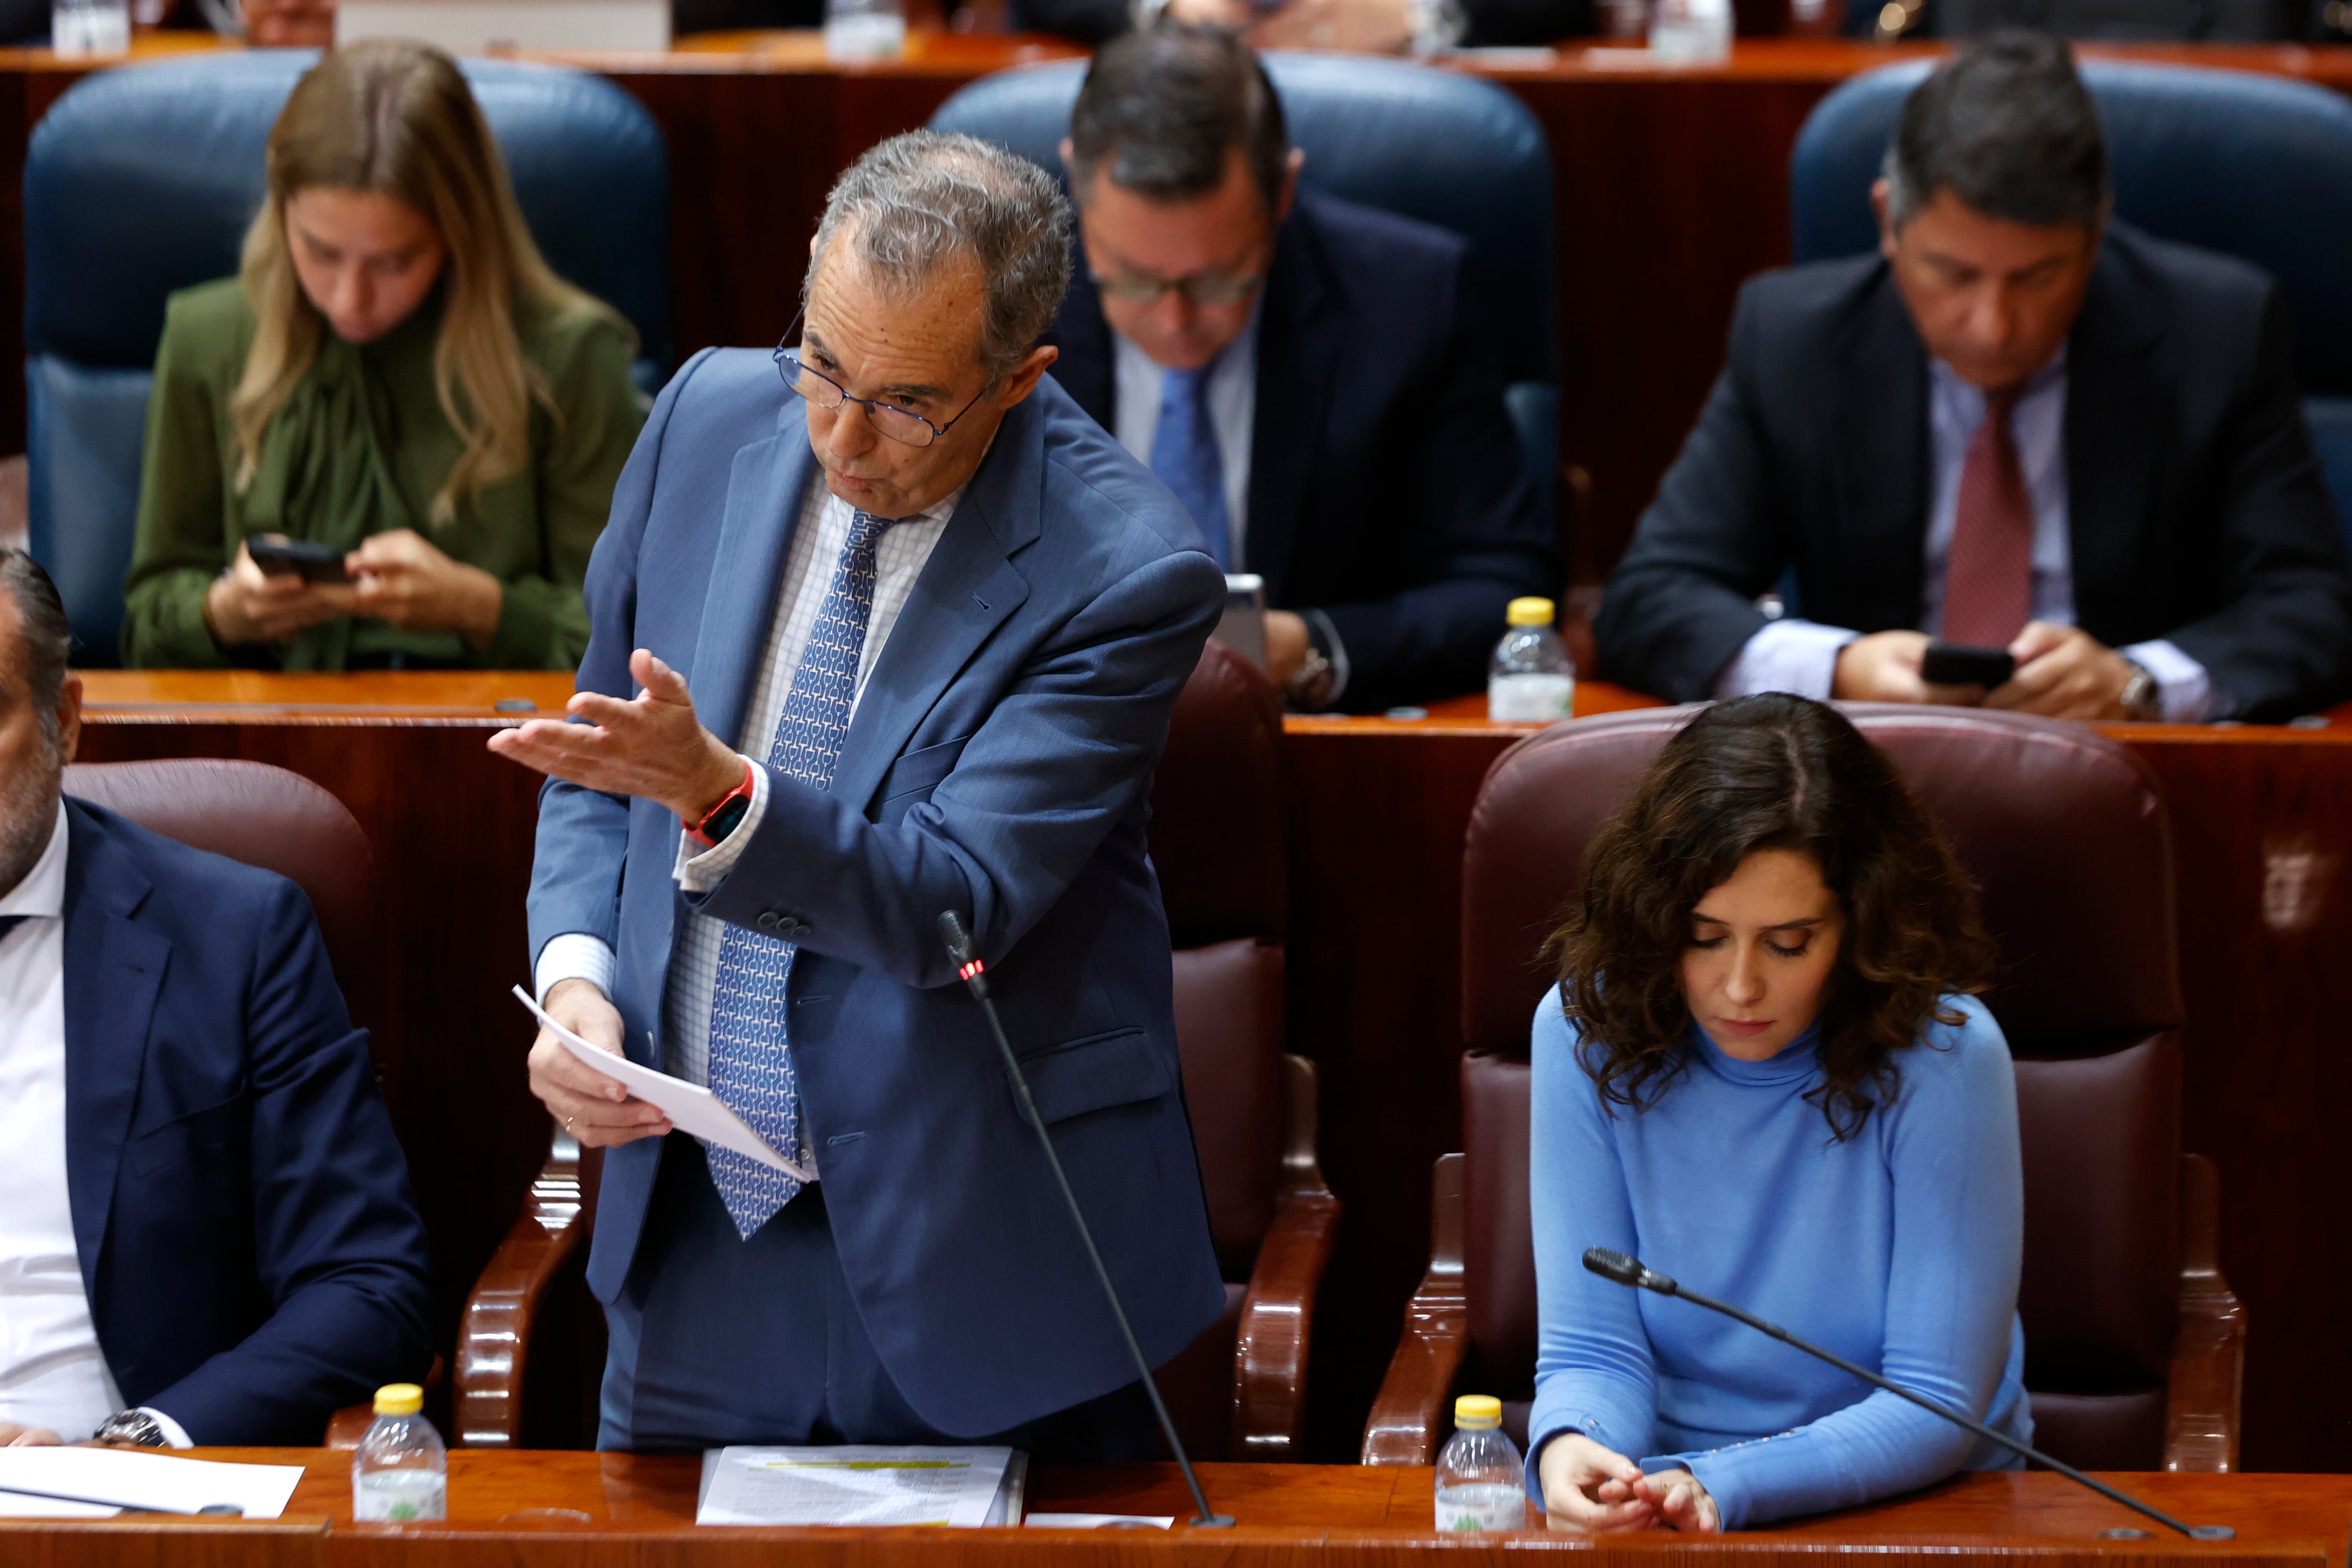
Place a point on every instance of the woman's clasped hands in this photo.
(1588, 1488)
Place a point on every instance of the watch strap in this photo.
(722, 818)
(133, 1426)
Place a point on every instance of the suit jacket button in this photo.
(769, 919)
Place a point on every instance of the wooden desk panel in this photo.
(529, 1508)
(1670, 187)
(452, 828)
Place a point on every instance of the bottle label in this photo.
(1481, 1507)
(1529, 699)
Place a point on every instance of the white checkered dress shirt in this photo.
(900, 557)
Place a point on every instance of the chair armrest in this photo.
(1410, 1413)
(2208, 1348)
(1270, 1357)
(494, 1334)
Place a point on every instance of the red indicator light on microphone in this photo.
(969, 969)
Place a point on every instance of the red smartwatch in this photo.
(723, 818)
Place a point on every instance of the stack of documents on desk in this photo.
(862, 1485)
(96, 1483)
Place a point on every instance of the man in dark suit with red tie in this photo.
(2020, 426)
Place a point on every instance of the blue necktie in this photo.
(1185, 457)
(750, 1058)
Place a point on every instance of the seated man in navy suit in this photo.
(2019, 425)
(895, 633)
(206, 1232)
(1309, 376)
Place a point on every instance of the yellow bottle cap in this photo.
(1475, 1411)
(399, 1399)
(1530, 612)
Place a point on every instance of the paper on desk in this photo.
(689, 1107)
(852, 1484)
(116, 1478)
(1102, 1521)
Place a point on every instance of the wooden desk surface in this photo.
(505, 1504)
(486, 700)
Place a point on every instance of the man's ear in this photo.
(69, 717)
(1880, 190)
(1022, 380)
(1291, 165)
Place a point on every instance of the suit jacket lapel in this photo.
(764, 489)
(964, 593)
(2117, 429)
(1878, 557)
(113, 970)
(1297, 352)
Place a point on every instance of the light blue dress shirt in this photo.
(1801, 655)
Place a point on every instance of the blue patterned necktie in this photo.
(1185, 457)
(750, 1058)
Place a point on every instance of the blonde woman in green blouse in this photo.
(397, 374)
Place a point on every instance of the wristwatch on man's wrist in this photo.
(132, 1428)
(724, 817)
(2142, 699)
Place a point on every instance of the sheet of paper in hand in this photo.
(689, 1107)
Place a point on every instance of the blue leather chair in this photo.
(1430, 144)
(2253, 167)
(143, 181)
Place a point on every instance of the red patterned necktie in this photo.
(1989, 576)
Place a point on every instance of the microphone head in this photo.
(957, 940)
(1613, 1266)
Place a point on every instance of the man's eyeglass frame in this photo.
(788, 360)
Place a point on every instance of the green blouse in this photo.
(362, 447)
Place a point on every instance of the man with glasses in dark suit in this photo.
(1309, 376)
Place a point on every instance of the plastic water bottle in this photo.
(400, 1471)
(1691, 32)
(1530, 678)
(1480, 1484)
(90, 26)
(864, 30)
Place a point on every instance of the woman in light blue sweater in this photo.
(1764, 1072)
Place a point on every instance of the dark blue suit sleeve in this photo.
(583, 835)
(1681, 602)
(1064, 755)
(1483, 538)
(338, 1249)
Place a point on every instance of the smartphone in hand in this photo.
(1957, 664)
(278, 556)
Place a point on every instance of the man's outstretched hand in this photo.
(651, 746)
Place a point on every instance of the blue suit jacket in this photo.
(1387, 488)
(239, 1204)
(998, 766)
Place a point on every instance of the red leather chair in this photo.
(2134, 1347)
(269, 817)
(1220, 846)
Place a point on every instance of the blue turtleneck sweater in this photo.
(1897, 1249)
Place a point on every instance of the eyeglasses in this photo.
(1198, 288)
(902, 425)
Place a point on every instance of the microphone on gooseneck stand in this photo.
(974, 975)
(1631, 1271)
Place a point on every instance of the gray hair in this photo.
(920, 198)
(2006, 126)
(46, 639)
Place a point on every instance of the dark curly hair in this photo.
(1774, 772)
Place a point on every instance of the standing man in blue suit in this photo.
(1314, 378)
(205, 1231)
(896, 634)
